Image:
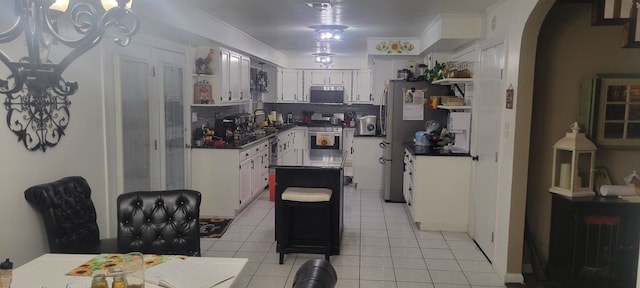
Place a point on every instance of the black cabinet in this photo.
(594, 242)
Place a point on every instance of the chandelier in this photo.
(37, 100)
(328, 32)
(325, 59)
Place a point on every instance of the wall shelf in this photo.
(454, 107)
(452, 81)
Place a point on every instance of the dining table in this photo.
(51, 271)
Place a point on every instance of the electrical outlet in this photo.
(194, 116)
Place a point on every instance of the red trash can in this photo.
(272, 185)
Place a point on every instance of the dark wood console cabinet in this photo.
(594, 242)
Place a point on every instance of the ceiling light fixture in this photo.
(328, 32)
(36, 93)
(325, 59)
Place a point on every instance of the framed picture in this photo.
(609, 110)
(202, 93)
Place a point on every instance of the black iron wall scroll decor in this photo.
(37, 96)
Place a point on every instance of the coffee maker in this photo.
(460, 126)
(224, 128)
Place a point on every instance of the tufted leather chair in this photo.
(159, 222)
(69, 216)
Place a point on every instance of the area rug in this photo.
(214, 227)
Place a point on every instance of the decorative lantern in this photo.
(573, 164)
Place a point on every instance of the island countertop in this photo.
(330, 159)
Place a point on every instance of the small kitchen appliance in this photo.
(460, 125)
(422, 138)
(366, 125)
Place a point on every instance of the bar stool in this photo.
(305, 198)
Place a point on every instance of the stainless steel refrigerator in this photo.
(398, 131)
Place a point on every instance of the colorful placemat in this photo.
(104, 262)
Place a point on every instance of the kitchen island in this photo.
(323, 170)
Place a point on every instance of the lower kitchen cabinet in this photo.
(438, 190)
(347, 146)
(229, 178)
(593, 242)
(368, 172)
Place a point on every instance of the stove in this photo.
(325, 138)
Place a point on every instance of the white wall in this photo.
(79, 152)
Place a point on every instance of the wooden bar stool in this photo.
(302, 197)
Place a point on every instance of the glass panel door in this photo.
(136, 132)
(172, 91)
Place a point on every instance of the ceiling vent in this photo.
(319, 5)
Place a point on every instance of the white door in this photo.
(486, 119)
(151, 94)
(137, 135)
(170, 79)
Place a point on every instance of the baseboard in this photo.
(514, 278)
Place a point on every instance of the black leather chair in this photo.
(159, 222)
(315, 273)
(69, 216)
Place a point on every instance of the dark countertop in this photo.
(247, 141)
(326, 159)
(368, 136)
(431, 151)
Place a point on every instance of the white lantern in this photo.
(573, 164)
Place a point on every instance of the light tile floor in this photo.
(381, 247)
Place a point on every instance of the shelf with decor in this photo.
(452, 81)
(463, 107)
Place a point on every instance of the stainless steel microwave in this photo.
(326, 94)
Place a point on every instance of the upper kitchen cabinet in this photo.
(361, 91)
(222, 77)
(327, 77)
(290, 87)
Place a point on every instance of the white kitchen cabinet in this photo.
(285, 151)
(407, 181)
(300, 144)
(368, 172)
(245, 184)
(440, 194)
(347, 145)
(328, 77)
(225, 177)
(290, 86)
(230, 82)
(361, 87)
(245, 81)
(259, 167)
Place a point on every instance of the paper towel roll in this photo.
(565, 176)
(618, 190)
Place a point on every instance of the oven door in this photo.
(325, 140)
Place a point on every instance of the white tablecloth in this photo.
(49, 270)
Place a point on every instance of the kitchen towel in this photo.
(618, 190)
